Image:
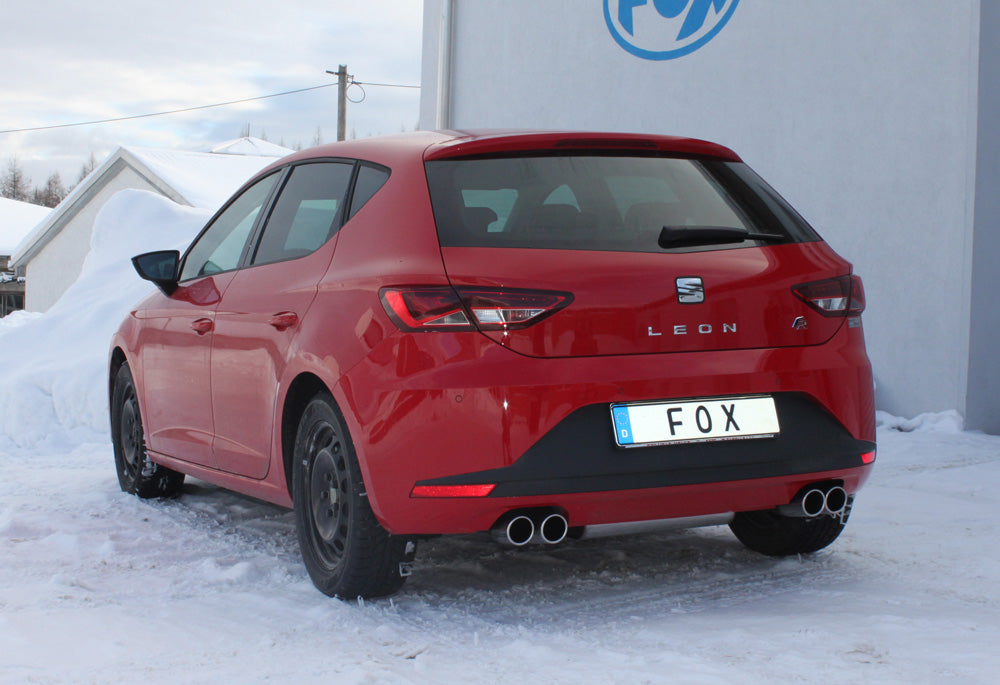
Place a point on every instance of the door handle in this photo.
(202, 326)
(284, 320)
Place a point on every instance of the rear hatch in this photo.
(610, 252)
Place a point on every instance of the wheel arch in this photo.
(303, 388)
(115, 362)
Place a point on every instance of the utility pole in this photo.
(341, 75)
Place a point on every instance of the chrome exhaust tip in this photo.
(553, 529)
(835, 501)
(813, 503)
(516, 531)
(819, 500)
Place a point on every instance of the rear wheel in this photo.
(347, 552)
(137, 475)
(775, 535)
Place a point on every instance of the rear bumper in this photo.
(579, 455)
(447, 409)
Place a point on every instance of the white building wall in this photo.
(57, 266)
(861, 112)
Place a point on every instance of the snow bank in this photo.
(54, 364)
(932, 422)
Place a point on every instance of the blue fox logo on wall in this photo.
(666, 29)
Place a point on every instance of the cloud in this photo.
(106, 59)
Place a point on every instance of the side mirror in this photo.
(160, 268)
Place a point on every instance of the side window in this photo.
(370, 179)
(219, 248)
(307, 212)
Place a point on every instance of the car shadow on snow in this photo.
(607, 579)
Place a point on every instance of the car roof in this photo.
(433, 145)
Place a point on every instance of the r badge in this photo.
(690, 290)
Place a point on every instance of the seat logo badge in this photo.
(690, 290)
(800, 323)
(666, 29)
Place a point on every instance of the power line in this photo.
(386, 85)
(173, 111)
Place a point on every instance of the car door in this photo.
(260, 312)
(177, 340)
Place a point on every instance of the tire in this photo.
(778, 536)
(137, 475)
(347, 553)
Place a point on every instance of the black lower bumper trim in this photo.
(580, 455)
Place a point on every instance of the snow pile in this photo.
(54, 388)
(932, 422)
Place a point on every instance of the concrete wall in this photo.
(58, 264)
(863, 113)
(983, 407)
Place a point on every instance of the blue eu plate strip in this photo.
(623, 427)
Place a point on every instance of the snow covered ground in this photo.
(99, 587)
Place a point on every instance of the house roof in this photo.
(251, 146)
(16, 221)
(196, 179)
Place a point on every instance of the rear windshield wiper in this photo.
(674, 236)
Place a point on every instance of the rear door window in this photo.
(307, 213)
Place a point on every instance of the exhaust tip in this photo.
(553, 529)
(836, 500)
(518, 531)
(813, 502)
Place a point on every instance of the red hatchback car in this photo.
(534, 334)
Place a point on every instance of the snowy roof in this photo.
(202, 179)
(198, 179)
(16, 221)
(251, 146)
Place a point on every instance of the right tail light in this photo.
(841, 296)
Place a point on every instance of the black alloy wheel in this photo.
(137, 474)
(346, 551)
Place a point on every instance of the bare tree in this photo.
(14, 185)
(53, 192)
(87, 167)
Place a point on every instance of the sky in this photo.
(76, 62)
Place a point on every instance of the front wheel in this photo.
(137, 475)
(775, 535)
(346, 551)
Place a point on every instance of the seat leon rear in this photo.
(540, 335)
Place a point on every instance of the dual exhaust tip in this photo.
(520, 528)
(817, 501)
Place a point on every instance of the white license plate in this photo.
(699, 420)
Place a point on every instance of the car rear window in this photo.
(601, 202)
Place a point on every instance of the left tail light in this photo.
(842, 296)
(437, 308)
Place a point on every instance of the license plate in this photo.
(700, 420)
